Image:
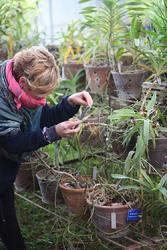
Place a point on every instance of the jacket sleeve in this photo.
(33, 140)
(23, 142)
(58, 113)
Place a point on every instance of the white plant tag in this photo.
(113, 221)
(94, 177)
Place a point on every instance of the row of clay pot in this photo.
(124, 88)
(125, 85)
(111, 220)
(107, 219)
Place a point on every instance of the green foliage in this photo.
(136, 27)
(106, 22)
(66, 87)
(152, 14)
(142, 124)
(107, 19)
(70, 85)
(16, 21)
(141, 8)
(53, 98)
(158, 19)
(71, 43)
(53, 228)
(153, 190)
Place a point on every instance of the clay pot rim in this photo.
(160, 138)
(97, 67)
(77, 190)
(159, 84)
(129, 72)
(118, 98)
(120, 205)
(74, 189)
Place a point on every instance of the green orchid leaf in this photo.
(153, 136)
(136, 27)
(119, 176)
(151, 103)
(162, 181)
(122, 114)
(147, 178)
(142, 184)
(140, 148)
(128, 187)
(128, 161)
(146, 132)
(163, 192)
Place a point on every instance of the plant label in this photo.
(94, 176)
(113, 221)
(134, 215)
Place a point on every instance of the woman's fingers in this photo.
(87, 98)
(71, 132)
(74, 124)
(68, 128)
(81, 98)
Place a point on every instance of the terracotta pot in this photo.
(97, 78)
(110, 221)
(71, 69)
(49, 187)
(158, 155)
(26, 179)
(93, 134)
(159, 88)
(112, 91)
(75, 198)
(129, 84)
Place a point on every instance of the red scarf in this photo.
(21, 98)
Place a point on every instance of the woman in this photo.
(28, 123)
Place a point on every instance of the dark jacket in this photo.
(31, 140)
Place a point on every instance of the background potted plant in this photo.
(105, 26)
(141, 122)
(152, 194)
(74, 194)
(71, 49)
(25, 179)
(128, 79)
(49, 186)
(109, 209)
(16, 25)
(153, 50)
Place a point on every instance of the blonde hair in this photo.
(38, 67)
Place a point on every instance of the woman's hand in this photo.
(68, 128)
(80, 98)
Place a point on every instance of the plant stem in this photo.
(147, 94)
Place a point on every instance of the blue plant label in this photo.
(134, 215)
